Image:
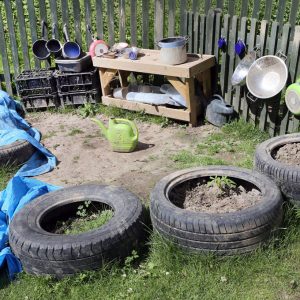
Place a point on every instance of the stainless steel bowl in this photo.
(267, 76)
(242, 69)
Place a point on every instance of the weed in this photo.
(76, 158)
(88, 110)
(55, 146)
(75, 131)
(49, 135)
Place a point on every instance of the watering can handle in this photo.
(132, 125)
(43, 24)
(251, 97)
(218, 97)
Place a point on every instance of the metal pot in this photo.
(267, 76)
(39, 48)
(70, 49)
(173, 50)
(54, 45)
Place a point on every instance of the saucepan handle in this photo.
(251, 97)
(281, 55)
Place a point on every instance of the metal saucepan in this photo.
(39, 48)
(54, 45)
(70, 49)
(267, 76)
(242, 69)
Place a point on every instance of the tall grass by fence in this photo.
(141, 22)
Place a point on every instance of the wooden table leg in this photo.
(123, 75)
(106, 75)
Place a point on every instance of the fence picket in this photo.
(293, 14)
(183, 21)
(268, 10)
(190, 32)
(12, 36)
(207, 6)
(88, 21)
(99, 18)
(77, 20)
(256, 9)
(225, 57)
(23, 35)
(239, 90)
(4, 56)
(171, 17)
(111, 26)
(232, 56)
(217, 36)
(220, 4)
(133, 22)
(65, 11)
(145, 29)
(122, 20)
(244, 8)
(195, 33)
(231, 8)
(159, 20)
(209, 35)
(202, 34)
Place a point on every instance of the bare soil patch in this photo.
(212, 199)
(85, 155)
(289, 154)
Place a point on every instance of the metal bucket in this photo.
(267, 76)
(39, 48)
(173, 50)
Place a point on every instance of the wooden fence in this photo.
(141, 22)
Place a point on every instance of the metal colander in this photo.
(267, 76)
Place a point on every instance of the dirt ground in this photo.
(289, 154)
(85, 156)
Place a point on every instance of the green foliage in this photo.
(75, 131)
(82, 208)
(221, 182)
(88, 110)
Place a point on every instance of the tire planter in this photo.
(43, 252)
(286, 177)
(222, 233)
(16, 153)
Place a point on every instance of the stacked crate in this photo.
(77, 88)
(37, 88)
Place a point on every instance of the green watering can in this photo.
(121, 133)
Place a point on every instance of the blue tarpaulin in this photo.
(20, 190)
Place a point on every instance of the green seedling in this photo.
(223, 183)
(88, 110)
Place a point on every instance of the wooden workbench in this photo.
(182, 77)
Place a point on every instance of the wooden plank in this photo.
(281, 11)
(158, 20)
(225, 57)
(196, 33)
(178, 114)
(12, 36)
(232, 56)
(122, 21)
(88, 21)
(231, 7)
(43, 10)
(77, 21)
(145, 28)
(23, 34)
(111, 26)
(183, 21)
(99, 18)
(268, 10)
(33, 28)
(293, 14)
(65, 11)
(244, 9)
(4, 56)
(207, 6)
(133, 23)
(210, 28)
(149, 63)
(239, 91)
(190, 31)
(294, 61)
(220, 4)
(256, 9)
(217, 35)
(53, 10)
(171, 17)
(202, 30)
(195, 6)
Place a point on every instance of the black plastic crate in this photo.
(41, 101)
(76, 82)
(35, 83)
(79, 98)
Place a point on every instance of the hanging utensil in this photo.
(70, 49)
(98, 47)
(54, 45)
(39, 48)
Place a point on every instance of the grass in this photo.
(75, 131)
(168, 273)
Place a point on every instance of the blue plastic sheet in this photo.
(20, 190)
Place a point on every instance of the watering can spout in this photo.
(101, 125)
